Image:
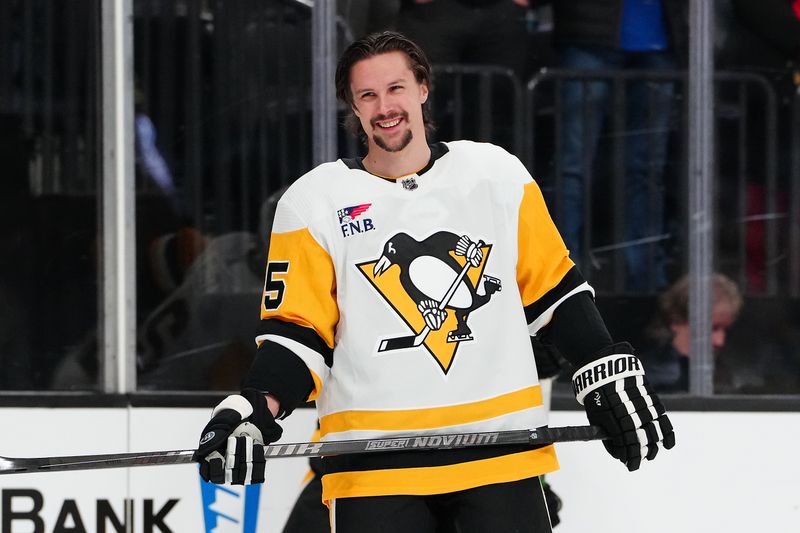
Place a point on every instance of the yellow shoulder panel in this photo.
(300, 285)
(543, 258)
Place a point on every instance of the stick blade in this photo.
(14, 465)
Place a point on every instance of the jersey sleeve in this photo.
(299, 311)
(545, 273)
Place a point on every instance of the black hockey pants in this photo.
(514, 507)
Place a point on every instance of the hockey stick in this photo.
(530, 437)
(412, 341)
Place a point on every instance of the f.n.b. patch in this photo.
(351, 221)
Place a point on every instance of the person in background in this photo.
(485, 32)
(668, 363)
(478, 33)
(401, 294)
(761, 38)
(367, 16)
(595, 35)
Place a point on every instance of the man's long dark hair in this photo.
(376, 44)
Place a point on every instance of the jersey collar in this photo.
(437, 151)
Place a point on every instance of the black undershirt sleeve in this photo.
(278, 371)
(577, 330)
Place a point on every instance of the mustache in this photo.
(373, 122)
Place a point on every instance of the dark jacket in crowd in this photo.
(598, 22)
(774, 21)
(667, 370)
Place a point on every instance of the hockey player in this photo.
(402, 290)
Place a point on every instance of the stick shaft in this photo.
(531, 437)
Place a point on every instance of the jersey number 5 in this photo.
(274, 289)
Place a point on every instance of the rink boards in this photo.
(732, 472)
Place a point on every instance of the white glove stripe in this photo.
(653, 411)
(642, 390)
(623, 396)
(230, 459)
(230, 452)
(641, 435)
(637, 422)
(235, 402)
(658, 431)
(248, 443)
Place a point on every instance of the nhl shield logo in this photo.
(409, 183)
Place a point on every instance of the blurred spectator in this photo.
(484, 32)
(591, 35)
(761, 38)
(470, 32)
(200, 335)
(367, 16)
(777, 22)
(152, 163)
(667, 363)
(762, 358)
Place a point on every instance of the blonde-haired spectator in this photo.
(667, 363)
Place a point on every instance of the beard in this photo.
(404, 141)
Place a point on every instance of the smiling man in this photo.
(402, 293)
(381, 100)
(388, 96)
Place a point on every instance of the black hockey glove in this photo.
(231, 446)
(617, 397)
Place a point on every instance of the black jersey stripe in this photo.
(308, 337)
(572, 279)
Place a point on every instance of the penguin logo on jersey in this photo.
(433, 285)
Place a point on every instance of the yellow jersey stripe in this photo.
(315, 393)
(440, 479)
(543, 259)
(308, 294)
(434, 417)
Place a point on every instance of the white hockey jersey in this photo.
(425, 289)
